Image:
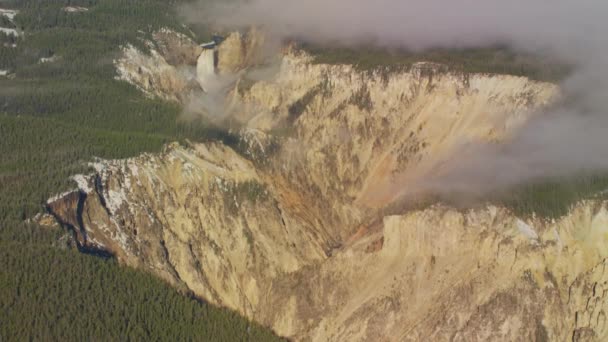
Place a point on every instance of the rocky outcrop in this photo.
(176, 48)
(173, 213)
(240, 50)
(288, 225)
(166, 70)
(206, 220)
(361, 128)
(151, 74)
(445, 275)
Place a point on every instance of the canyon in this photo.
(297, 222)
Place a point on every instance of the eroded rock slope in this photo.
(286, 226)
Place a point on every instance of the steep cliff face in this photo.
(359, 129)
(176, 48)
(287, 225)
(241, 50)
(167, 70)
(205, 219)
(441, 275)
(202, 218)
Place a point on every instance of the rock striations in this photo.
(289, 225)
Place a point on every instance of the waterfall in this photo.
(205, 69)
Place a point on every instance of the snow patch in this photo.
(75, 9)
(9, 31)
(10, 14)
(115, 200)
(99, 166)
(60, 196)
(47, 59)
(83, 183)
(95, 242)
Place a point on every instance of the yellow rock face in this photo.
(163, 72)
(444, 275)
(292, 230)
(239, 51)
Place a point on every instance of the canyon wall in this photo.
(289, 226)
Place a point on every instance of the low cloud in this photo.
(560, 142)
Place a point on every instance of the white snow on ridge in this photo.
(115, 200)
(9, 31)
(60, 196)
(83, 183)
(48, 59)
(10, 14)
(75, 9)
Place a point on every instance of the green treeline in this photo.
(54, 118)
(553, 198)
(48, 294)
(491, 60)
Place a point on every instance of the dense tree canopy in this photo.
(54, 118)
